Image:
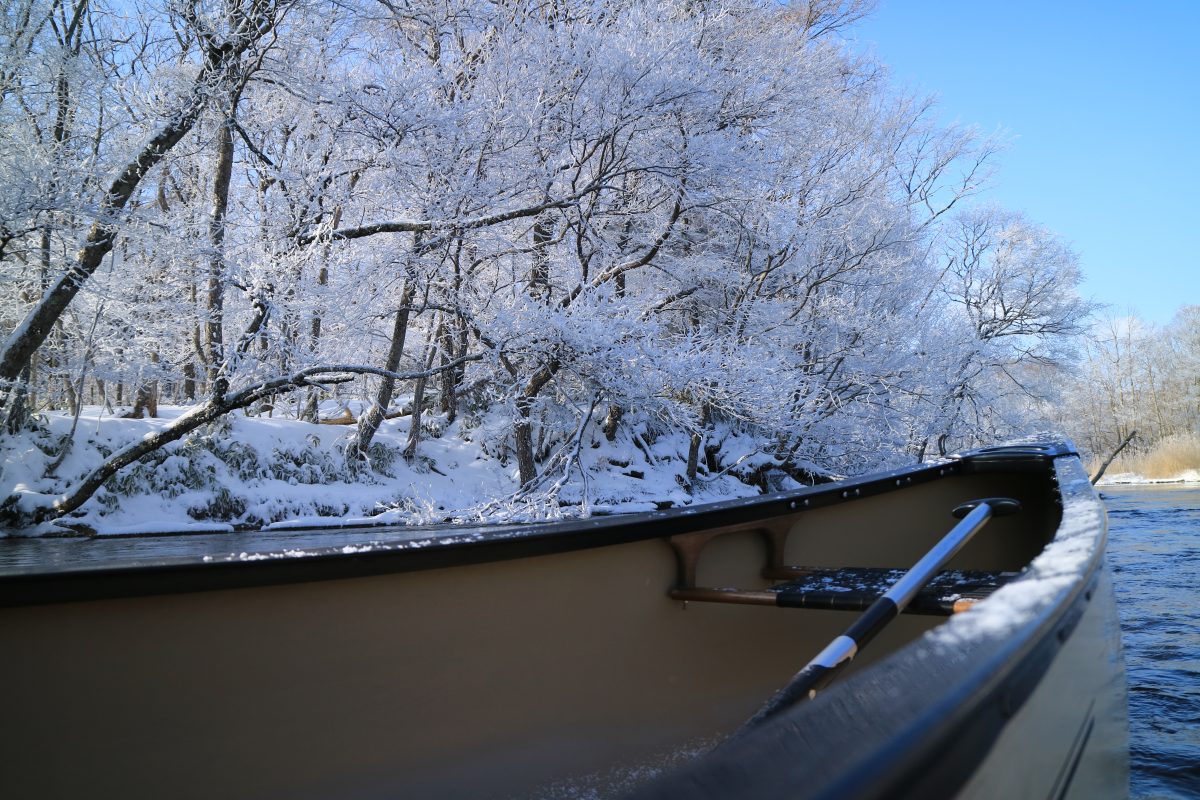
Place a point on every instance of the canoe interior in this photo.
(486, 680)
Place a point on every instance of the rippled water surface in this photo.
(1154, 547)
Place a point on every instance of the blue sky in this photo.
(1101, 101)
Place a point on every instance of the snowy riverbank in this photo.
(261, 473)
(1132, 478)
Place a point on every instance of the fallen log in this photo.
(1109, 460)
(346, 418)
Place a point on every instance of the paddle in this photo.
(825, 666)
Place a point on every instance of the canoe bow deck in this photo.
(530, 660)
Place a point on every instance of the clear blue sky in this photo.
(1102, 104)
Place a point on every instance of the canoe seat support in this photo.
(688, 546)
(855, 589)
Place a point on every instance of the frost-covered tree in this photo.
(1014, 322)
(704, 222)
(143, 90)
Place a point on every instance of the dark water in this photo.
(1154, 547)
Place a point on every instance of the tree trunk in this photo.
(523, 442)
(523, 426)
(145, 402)
(693, 462)
(414, 424)
(611, 420)
(214, 324)
(16, 409)
(369, 423)
(189, 380)
(448, 399)
(309, 413)
(73, 400)
(539, 268)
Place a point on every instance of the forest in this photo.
(555, 257)
(1139, 382)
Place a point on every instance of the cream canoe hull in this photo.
(551, 660)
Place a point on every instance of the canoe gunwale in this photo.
(949, 707)
(447, 546)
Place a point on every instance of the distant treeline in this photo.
(1137, 376)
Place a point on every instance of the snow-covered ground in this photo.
(1187, 476)
(259, 473)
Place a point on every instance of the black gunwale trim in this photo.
(951, 725)
(446, 546)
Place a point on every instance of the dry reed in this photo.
(1170, 458)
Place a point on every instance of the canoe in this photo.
(690, 652)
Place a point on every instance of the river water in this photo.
(1154, 548)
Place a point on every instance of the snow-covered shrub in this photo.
(382, 457)
(305, 465)
(167, 473)
(221, 506)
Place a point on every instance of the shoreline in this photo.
(1188, 478)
